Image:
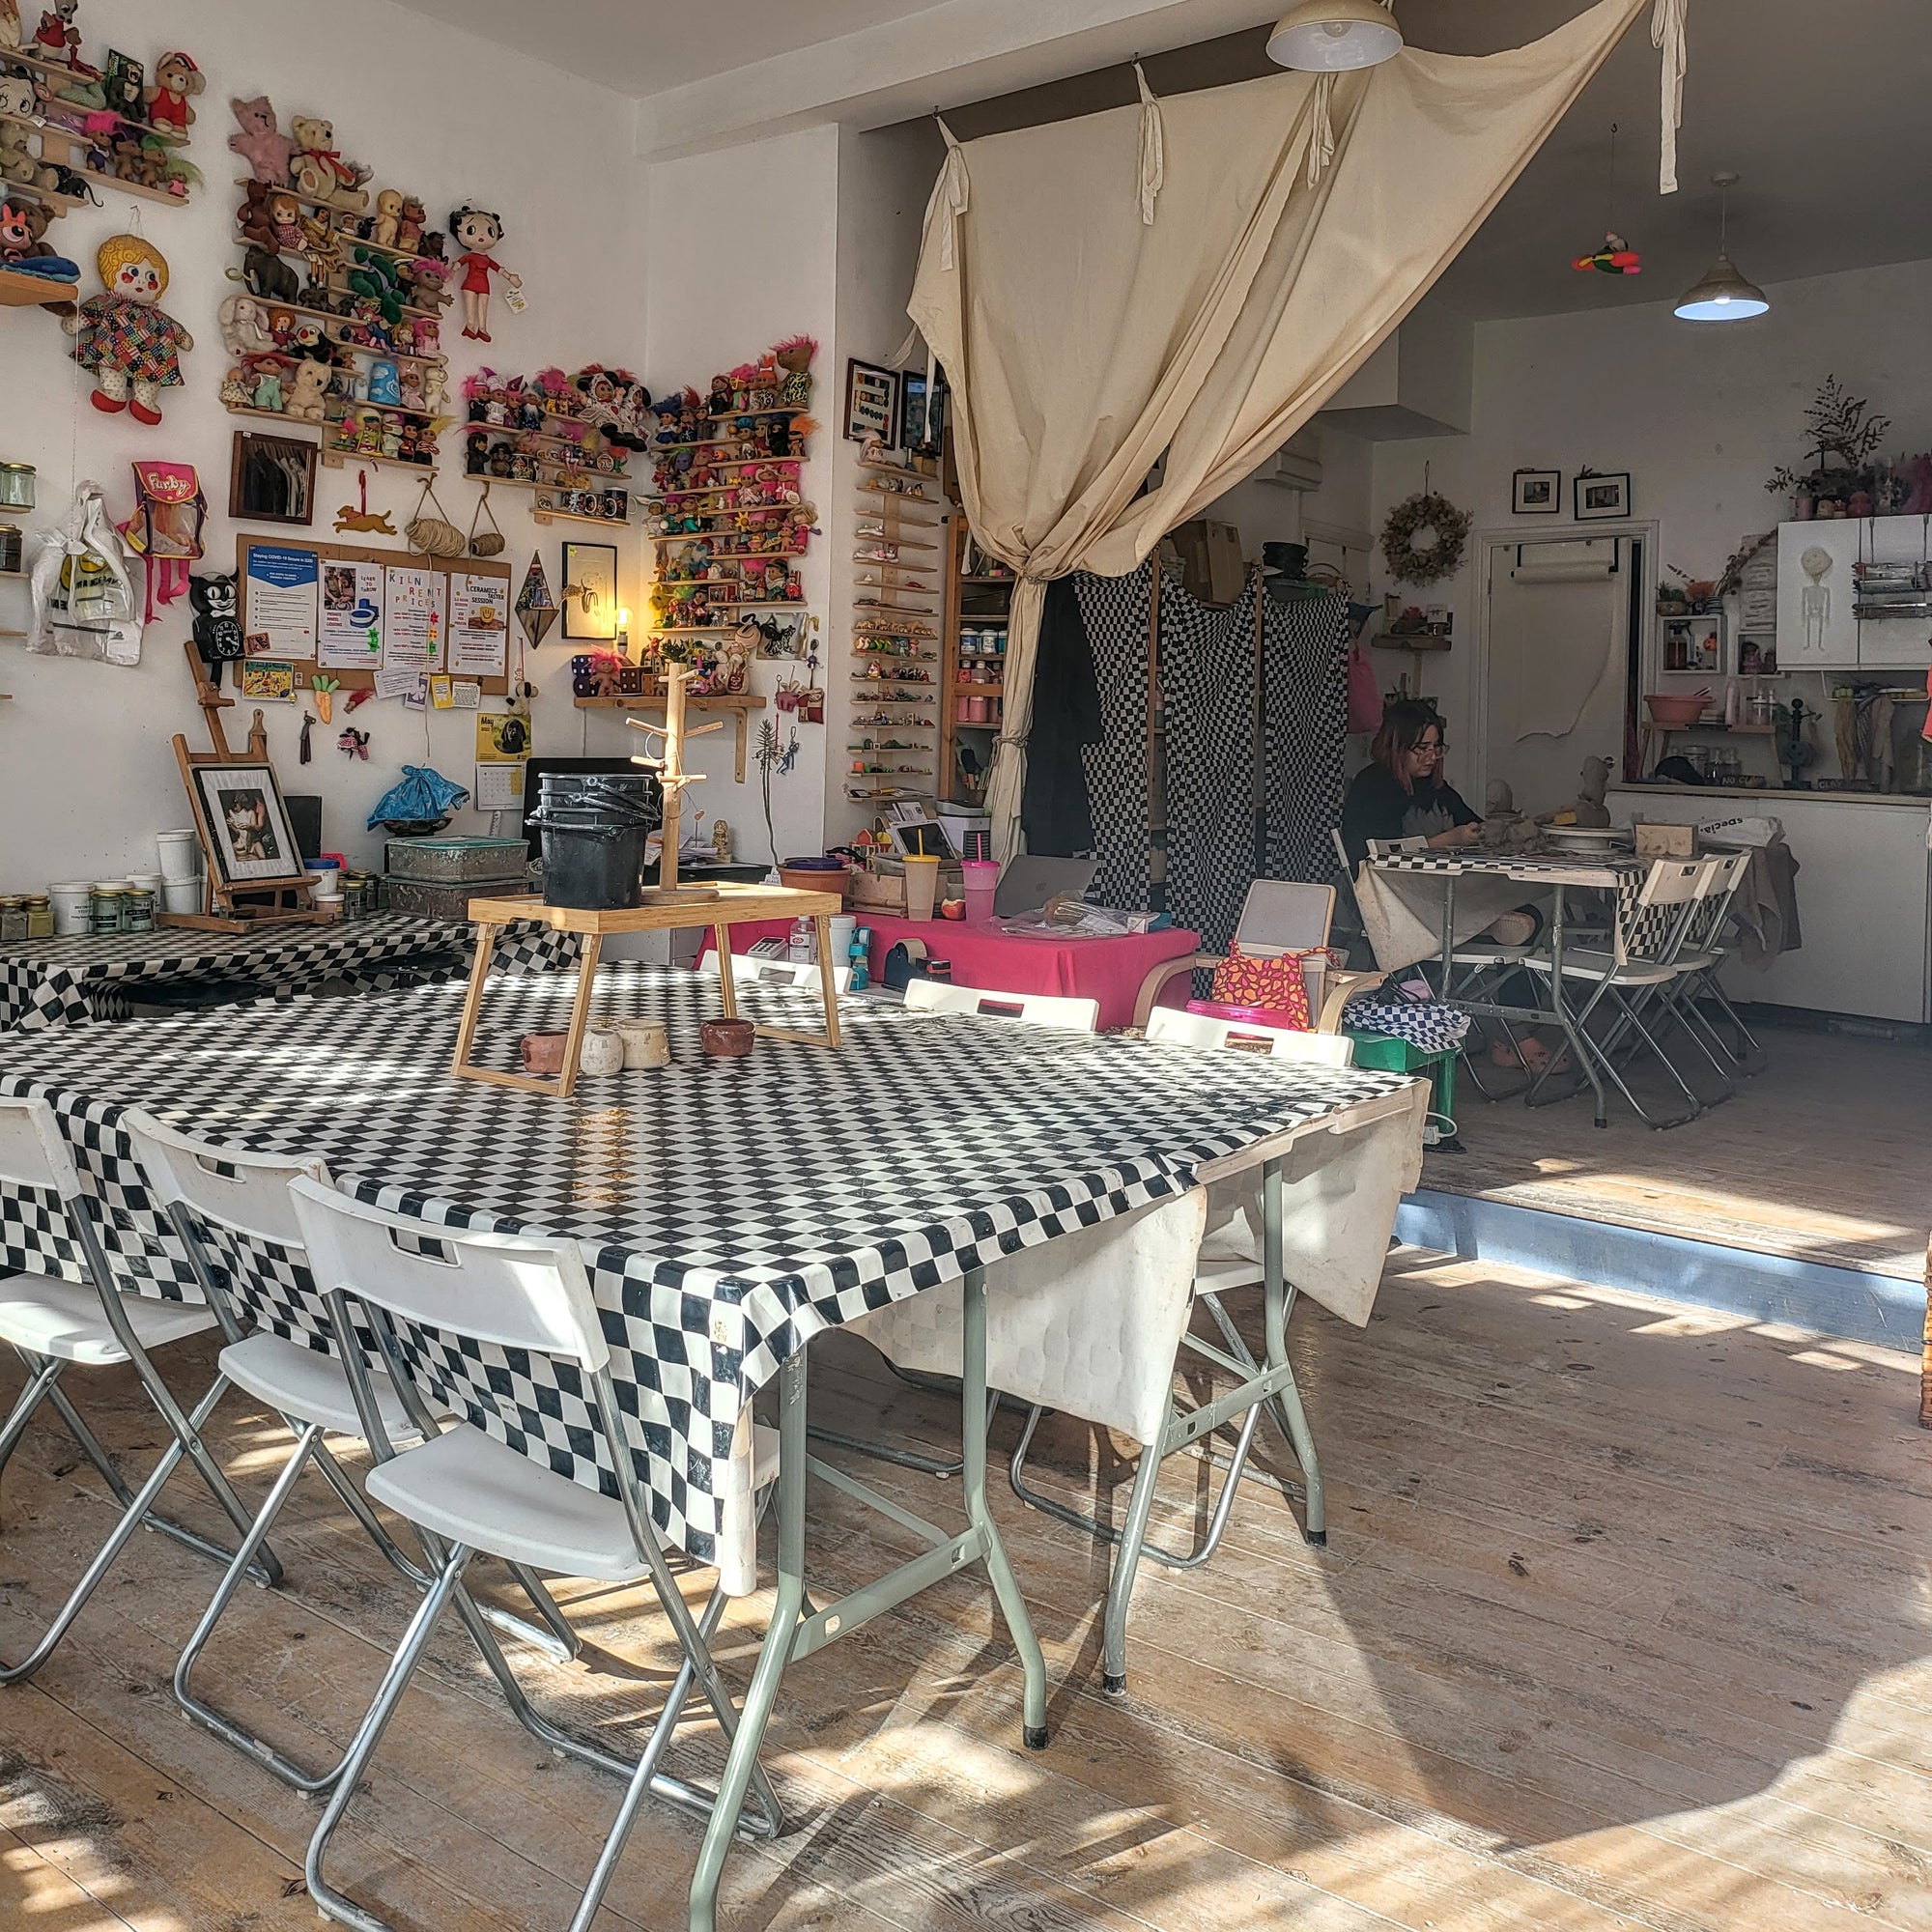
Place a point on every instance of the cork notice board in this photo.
(272, 612)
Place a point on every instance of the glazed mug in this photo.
(602, 1051)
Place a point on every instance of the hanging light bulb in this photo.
(1723, 295)
(1328, 36)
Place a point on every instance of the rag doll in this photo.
(133, 345)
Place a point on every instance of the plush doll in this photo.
(373, 278)
(131, 344)
(261, 143)
(794, 356)
(17, 164)
(409, 223)
(425, 277)
(319, 171)
(9, 25)
(21, 248)
(57, 39)
(245, 327)
(388, 218)
(475, 231)
(175, 77)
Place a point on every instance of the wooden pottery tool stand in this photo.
(278, 903)
(732, 905)
(673, 778)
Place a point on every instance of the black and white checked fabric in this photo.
(1644, 930)
(1116, 612)
(59, 982)
(728, 1210)
(1304, 727)
(1207, 678)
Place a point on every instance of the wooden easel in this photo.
(277, 902)
(674, 778)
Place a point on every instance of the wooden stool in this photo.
(726, 906)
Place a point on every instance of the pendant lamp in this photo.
(1330, 35)
(1723, 295)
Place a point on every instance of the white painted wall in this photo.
(1700, 417)
(85, 770)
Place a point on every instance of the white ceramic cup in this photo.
(602, 1051)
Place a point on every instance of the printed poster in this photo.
(281, 596)
(479, 625)
(352, 617)
(412, 618)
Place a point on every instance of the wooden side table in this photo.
(725, 907)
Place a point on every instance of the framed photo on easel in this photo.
(245, 825)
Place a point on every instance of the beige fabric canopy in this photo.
(1166, 281)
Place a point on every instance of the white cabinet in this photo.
(1817, 596)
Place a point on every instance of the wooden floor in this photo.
(1624, 1621)
(1824, 1156)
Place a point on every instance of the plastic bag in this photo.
(84, 601)
(423, 797)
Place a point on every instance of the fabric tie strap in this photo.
(1322, 137)
(952, 193)
(1667, 34)
(1153, 149)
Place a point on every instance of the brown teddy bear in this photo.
(319, 171)
(302, 399)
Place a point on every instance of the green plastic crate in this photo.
(1387, 1054)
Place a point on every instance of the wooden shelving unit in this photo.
(974, 600)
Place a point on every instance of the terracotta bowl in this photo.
(1674, 713)
(726, 1039)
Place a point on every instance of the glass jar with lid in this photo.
(13, 918)
(137, 910)
(103, 905)
(40, 916)
(13, 550)
(16, 486)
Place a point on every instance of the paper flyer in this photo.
(281, 595)
(412, 618)
(479, 625)
(352, 617)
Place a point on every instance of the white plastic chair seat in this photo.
(310, 1387)
(65, 1319)
(470, 1489)
(1491, 955)
(1586, 963)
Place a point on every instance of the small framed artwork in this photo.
(269, 680)
(243, 824)
(590, 591)
(272, 480)
(1602, 496)
(873, 398)
(1694, 643)
(1757, 657)
(1538, 493)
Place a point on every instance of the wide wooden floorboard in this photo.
(1826, 1156)
(1624, 1622)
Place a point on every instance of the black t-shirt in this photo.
(1378, 807)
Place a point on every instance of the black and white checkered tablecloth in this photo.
(59, 982)
(1644, 929)
(728, 1210)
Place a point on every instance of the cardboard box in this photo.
(1666, 841)
(1211, 569)
(882, 888)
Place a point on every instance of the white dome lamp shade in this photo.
(1334, 36)
(1723, 295)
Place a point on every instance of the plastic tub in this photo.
(594, 827)
(72, 912)
(180, 854)
(183, 894)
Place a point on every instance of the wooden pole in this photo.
(673, 778)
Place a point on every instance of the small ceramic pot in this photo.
(645, 1044)
(602, 1051)
(543, 1052)
(726, 1039)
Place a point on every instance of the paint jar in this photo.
(16, 486)
(13, 918)
(137, 910)
(39, 916)
(180, 854)
(183, 895)
(71, 908)
(104, 907)
(978, 710)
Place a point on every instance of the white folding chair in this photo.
(466, 1492)
(751, 969)
(1703, 957)
(55, 1326)
(1048, 1010)
(233, 1214)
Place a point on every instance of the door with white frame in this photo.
(1554, 668)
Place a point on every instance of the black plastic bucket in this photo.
(594, 826)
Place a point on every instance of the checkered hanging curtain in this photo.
(1115, 610)
(1208, 677)
(1305, 717)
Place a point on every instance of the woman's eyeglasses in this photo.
(1424, 748)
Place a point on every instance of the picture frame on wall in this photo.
(873, 398)
(1598, 498)
(1693, 645)
(245, 825)
(272, 480)
(589, 596)
(1538, 493)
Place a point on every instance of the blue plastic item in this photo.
(423, 797)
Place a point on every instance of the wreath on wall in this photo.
(1448, 530)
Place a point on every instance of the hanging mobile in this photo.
(1616, 257)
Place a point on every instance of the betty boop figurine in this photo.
(477, 230)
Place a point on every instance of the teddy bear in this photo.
(319, 171)
(261, 143)
(270, 217)
(9, 25)
(304, 397)
(388, 218)
(17, 164)
(176, 79)
(409, 224)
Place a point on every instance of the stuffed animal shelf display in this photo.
(475, 231)
(133, 345)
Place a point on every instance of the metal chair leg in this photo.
(1127, 1562)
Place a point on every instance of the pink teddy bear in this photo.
(267, 151)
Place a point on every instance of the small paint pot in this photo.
(645, 1044)
(726, 1039)
(602, 1051)
(543, 1052)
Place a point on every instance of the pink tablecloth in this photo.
(1107, 969)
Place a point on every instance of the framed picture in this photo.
(272, 480)
(1757, 657)
(1694, 643)
(269, 680)
(1602, 496)
(243, 824)
(590, 591)
(871, 402)
(1539, 493)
